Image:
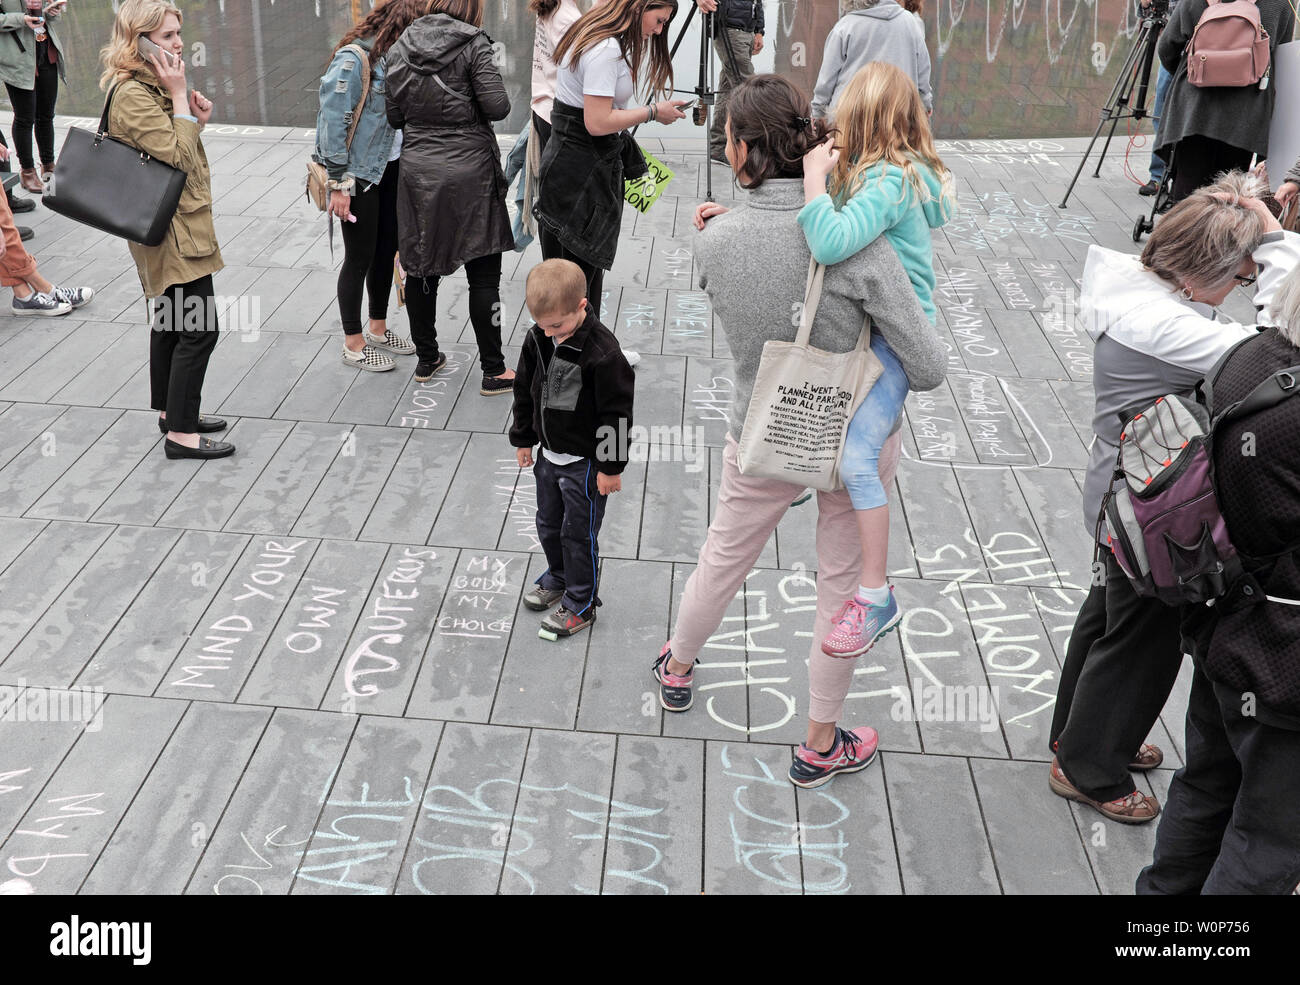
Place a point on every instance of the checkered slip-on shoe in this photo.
(393, 343)
(369, 359)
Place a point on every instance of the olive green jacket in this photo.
(18, 45)
(141, 115)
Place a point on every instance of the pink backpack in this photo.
(1228, 47)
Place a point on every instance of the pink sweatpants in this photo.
(748, 511)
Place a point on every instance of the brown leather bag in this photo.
(318, 179)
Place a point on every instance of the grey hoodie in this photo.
(756, 293)
(884, 32)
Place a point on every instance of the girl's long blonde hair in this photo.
(882, 121)
(135, 17)
(621, 19)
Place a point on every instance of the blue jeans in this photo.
(569, 513)
(871, 425)
(1162, 87)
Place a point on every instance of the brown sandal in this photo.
(1148, 758)
(1134, 808)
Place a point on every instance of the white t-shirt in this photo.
(560, 457)
(549, 32)
(601, 71)
(396, 152)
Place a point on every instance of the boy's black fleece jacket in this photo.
(566, 395)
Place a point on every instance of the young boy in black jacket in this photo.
(573, 393)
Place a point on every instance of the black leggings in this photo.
(35, 108)
(368, 248)
(184, 332)
(1198, 159)
(553, 249)
(484, 275)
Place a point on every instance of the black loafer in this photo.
(207, 425)
(207, 449)
(24, 233)
(17, 204)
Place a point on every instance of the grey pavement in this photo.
(315, 669)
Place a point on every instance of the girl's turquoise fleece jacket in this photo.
(888, 205)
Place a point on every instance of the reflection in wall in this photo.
(1002, 68)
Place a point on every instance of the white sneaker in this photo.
(37, 303)
(369, 359)
(393, 343)
(632, 356)
(78, 297)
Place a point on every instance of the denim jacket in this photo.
(340, 88)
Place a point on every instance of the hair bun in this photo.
(802, 122)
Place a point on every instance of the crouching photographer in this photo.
(1156, 331)
(1232, 823)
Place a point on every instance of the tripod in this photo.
(1136, 72)
(705, 92)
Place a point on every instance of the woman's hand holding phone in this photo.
(341, 206)
(669, 110)
(37, 24)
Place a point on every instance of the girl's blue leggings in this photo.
(871, 425)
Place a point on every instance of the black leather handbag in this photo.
(108, 184)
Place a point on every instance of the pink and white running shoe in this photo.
(852, 751)
(859, 624)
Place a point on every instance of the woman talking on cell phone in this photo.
(31, 63)
(603, 58)
(152, 109)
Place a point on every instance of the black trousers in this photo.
(484, 275)
(553, 249)
(543, 132)
(34, 108)
(1124, 655)
(180, 344)
(1199, 159)
(368, 248)
(1231, 824)
(569, 513)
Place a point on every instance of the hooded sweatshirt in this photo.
(886, 204)
(1150, 342)
(884, 32)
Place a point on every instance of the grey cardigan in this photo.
(756, 293)
(1236, 116)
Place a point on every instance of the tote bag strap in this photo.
(103, 117)
(812, 296)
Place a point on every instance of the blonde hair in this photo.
(1203, 239)
(621, 20)
(554, 287)
(1285, 308)
(881, 120)
(135, 17)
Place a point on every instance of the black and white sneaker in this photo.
(37, 303)
(674, 690)
(540, 599)
(78, 297)
(369, 359)
(393, 343)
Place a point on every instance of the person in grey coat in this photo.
(1214, 128)
(871, 31)
(444, 90)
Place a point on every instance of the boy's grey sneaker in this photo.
(78, 297)
(393, 343)
(369, 358)
(540, 599)
(562, 622)
(37, 303)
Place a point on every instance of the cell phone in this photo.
(145, 47)
(689, 104)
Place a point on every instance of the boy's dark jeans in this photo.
(569, 512)
(1231, 823)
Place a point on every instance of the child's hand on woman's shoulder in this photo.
(706, 211)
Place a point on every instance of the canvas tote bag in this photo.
(802, 402)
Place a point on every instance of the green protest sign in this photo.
(643, 192)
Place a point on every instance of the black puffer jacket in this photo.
(1255, 646)
(451, 201)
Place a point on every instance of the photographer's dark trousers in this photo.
(1231, 824)
(741, 44)
(34, 109)
(569, 513)
(369, 245)
(484, 275)
(1199, 159)
(1124, 655)
(184, 333)
(553, 249)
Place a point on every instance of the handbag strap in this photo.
(365, 88)
(812, 295)
(103, 117)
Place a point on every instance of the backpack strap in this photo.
(1278, 387)
(1205, 386)
(360, 52)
